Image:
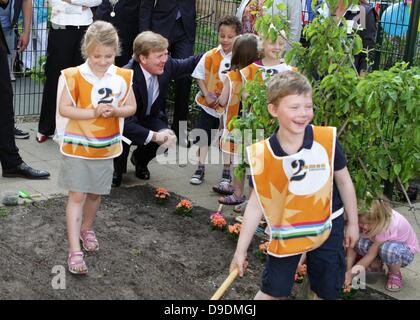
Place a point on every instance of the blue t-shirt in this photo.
(340, 160)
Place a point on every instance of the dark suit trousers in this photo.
(63, 51)
(180, 47)
(9, 153)
(144, 153)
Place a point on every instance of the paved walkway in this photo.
(176, 179)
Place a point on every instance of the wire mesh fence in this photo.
(26, 67)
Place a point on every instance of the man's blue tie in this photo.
(150, 90)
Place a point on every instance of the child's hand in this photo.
(352, 235)
(211, 99)
(104, 109)
(348, 278)
(239, 261)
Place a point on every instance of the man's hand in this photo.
(23, 41)
(165, 137)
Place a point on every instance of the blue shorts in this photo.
(326, 268)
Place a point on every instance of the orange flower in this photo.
(236, 228)
(184, 207)
(218, 221)
(162, 193)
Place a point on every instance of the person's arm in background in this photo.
(75, 6)
(27, 22)
(182, 67)
(145, 14)
(294, 15)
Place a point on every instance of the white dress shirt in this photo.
(66, 14)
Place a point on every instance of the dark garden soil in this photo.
(146, 252)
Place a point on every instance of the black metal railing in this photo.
(397, 40)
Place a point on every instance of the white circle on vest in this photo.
(308, 170)
(109, 92)
(224, 68)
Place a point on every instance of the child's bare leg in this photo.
(90, 209)
(238, 184)
(394, 268)
(74, 214)
(263, 296)
(202, 155)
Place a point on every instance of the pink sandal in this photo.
(394, 282)
(76, 264)
(89, 241)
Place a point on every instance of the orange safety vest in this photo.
(250, 71)
(295, 192)
(227, 143)
(98, 138)
(215, 65)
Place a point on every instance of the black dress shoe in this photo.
(116, 179)
(25, 171)
(133, 160)
(143, 173)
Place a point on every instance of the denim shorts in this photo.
(326, 268)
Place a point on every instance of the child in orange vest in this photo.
(93, 100)
(260, 70)
(301, 186)
(245, 51)
(210, 73)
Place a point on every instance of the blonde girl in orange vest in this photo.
(93, 99)
(209, 74)
(245, 51)
(302, 187)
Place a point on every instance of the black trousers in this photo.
(63, 51)
(9, 153)
(180, 47)
(144, 153)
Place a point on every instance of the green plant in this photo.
(38, 71)
(376, 115)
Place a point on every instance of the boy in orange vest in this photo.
(302, 186)
(210, 73)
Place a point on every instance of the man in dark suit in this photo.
(124, 15)
(153, 70)
(175, 20)
(11, 162)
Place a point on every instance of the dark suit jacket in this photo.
(160, 16)
(3, 43)
(127, 17)
(174, 68)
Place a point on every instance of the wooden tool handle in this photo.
(219, 293)
(220, 208)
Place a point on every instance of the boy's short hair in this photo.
(285, 84)
(148, 41)
(102, 33)
(232, 21)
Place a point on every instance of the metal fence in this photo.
(397, 39)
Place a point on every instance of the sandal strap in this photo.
(89, 236)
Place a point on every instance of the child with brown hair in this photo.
(93, 100)
(210, 73)
(386, 237)
(302, 187)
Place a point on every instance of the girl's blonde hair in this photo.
(379, 216)
(100, 33)
(282, 36)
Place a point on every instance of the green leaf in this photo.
(397, 169)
